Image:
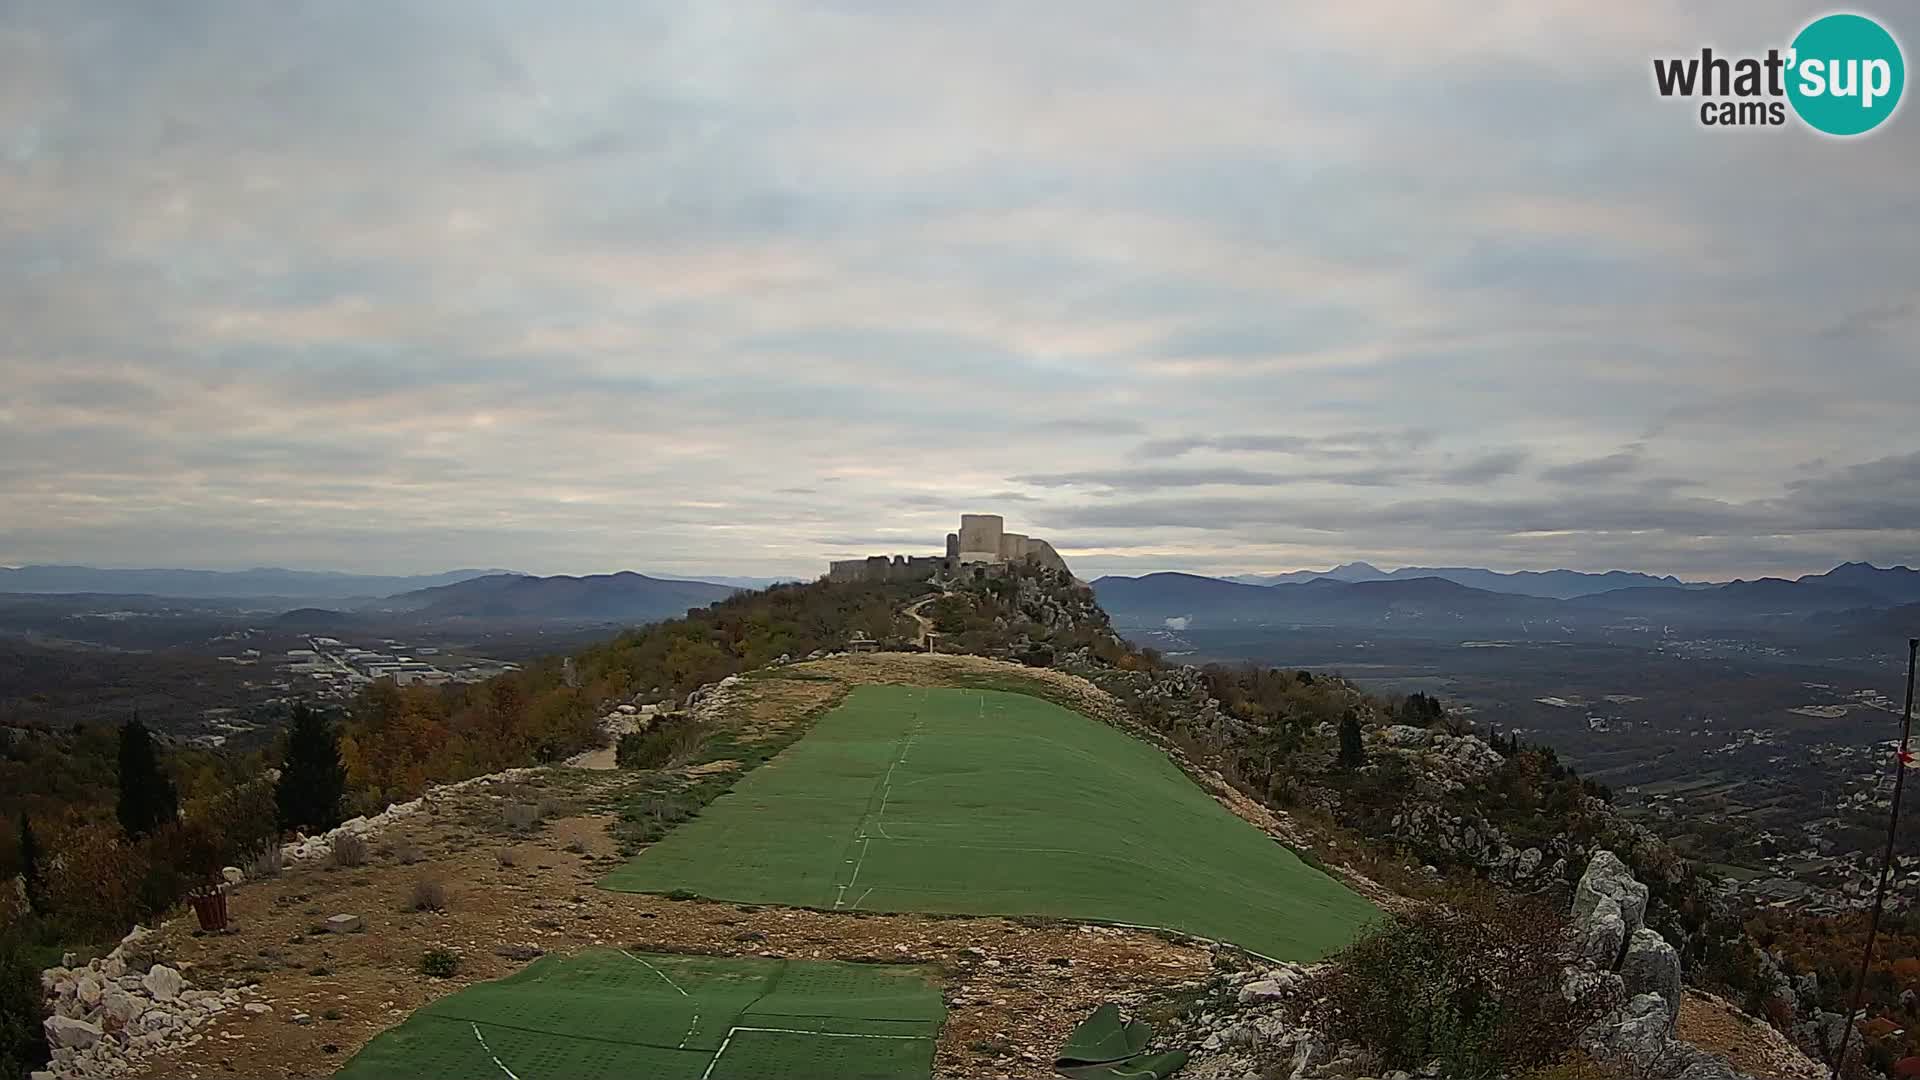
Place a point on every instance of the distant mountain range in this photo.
(622, 596)
(223, 584)
(1558, 584)
(1854, 594)
(736, 582)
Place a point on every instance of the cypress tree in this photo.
(147, 797)
(313, 782)
(30, 862)
(1353, 753)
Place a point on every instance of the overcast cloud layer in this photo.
(741, 287)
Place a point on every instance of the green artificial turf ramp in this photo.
(619, 1015)
(980, 802)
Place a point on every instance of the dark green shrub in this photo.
(439, 963)
(23, 1043)
(1474, 983)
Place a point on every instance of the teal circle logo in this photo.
(1846, 74)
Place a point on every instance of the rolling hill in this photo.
(1435, 602)
(625, 595)
(1553, 584)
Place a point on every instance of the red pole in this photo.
(1886, 861)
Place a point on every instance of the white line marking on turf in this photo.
(879, 824)
(731, 1032)
(688, 1037)
(655, 970)
(830, 1034)
(852, 881)
(864, 895)
(483, 1045)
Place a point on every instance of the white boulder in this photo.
(163, 983)
(68, 1032)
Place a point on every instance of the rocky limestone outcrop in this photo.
(115, 1011)
(1609, 908)
(1614, 949)
(1651, 966)
(1607, 878)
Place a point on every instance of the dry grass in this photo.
(429, 894)
(349, 850)
(267, 864)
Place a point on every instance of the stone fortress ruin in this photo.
(982, 543)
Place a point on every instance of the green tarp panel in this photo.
(1104, 1047)
(608, 1014)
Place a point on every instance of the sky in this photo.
(741, 287)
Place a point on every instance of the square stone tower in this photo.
(980, 537)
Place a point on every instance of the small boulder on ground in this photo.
(343, 924)
(66, 1031)
(163, 982)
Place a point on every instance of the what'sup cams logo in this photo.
(1842, 75)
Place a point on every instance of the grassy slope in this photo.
(964, 802)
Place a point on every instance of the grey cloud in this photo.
(1485, 468)
(630, 283)
(1093, 425)
(1354, 444)
(1594, 469)
(1148, 479)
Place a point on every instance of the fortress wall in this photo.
(885, 568)
(1041, 552)
(982, 539)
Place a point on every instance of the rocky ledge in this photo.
(1252, 1025)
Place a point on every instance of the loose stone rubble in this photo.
(118, 1009)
